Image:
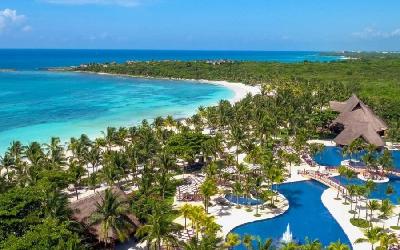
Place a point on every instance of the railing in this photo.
(324, 179)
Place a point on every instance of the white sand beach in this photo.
(240, 89)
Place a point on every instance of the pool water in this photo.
(243, 200)
(332, 157)
(307, 217)
(380, 191)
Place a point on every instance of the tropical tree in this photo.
(247, 241)
(371, 235)
(387, 241)
(111, 213)
(208, 189)
(232, 240)
(386, 210)
(266, 245)
(186, 210)
(76, 172)
(338, 246)
(373, 205)
(158, 230)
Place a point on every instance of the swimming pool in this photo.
(332, 157)
(307, 217)
(380, 191)
(243, 200)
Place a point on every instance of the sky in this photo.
(317, 25)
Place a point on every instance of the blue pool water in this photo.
(332, 157)
(41, 58)
(243, 200)
(380, 191)
(307, 217)
(35, 105)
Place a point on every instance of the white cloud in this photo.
(27, 28)
(125, 3)
(372, 33)
(9, 19)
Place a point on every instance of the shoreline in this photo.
(240, 90)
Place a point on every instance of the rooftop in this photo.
(359, 121)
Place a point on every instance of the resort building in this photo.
(84, 208)
(357, 120)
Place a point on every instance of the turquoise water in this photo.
(35, 105)
(332, 157)
(380, 191)
(41, 58)
(307, 217)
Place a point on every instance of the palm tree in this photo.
(76, 172)
(247, 241)
(186, 210)
(311, 245)
(94, 157)
(208, 189)
(338, 246)
(370, 186)
(158, 229)
(237, 190)
(372, 236)
(342, 172)
(112, 216)
(267, 245)
(55, 152)
(289, 246)
(237, 135)
(386, 160)
(352, 190)
(372, 205)
(93, 181)
(232, 240)
(386, 210)
(387, 240)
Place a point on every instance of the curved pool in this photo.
(307, 217)
(243, 200)
(332, 157)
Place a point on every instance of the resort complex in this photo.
(279, 166)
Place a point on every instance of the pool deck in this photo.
(341, 214)
(229, 217)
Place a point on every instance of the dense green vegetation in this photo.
(374, 77)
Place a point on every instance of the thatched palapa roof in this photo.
(358, 121)
(84, 208)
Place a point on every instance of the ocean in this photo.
(36, 104)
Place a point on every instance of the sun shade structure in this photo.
(357, 120)
(84, 208)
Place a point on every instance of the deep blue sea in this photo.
(36, 104)
(34, 59)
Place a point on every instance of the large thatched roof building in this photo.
(84, 208)
(357, 120)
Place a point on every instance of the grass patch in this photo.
(358, 222)
(395, 227)
(352, 212)
(249, 209)
(238, 207)
(257, 215)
